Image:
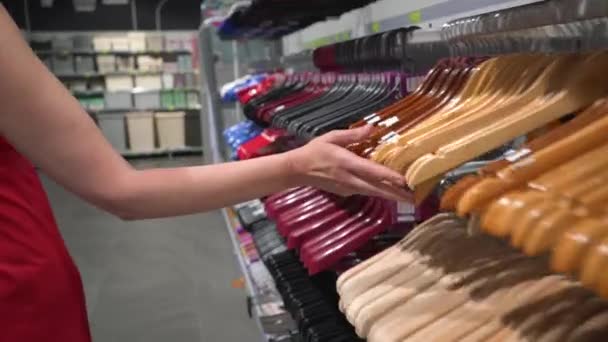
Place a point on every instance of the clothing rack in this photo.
(549, 26)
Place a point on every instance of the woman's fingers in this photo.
(346, 136)
(377, 189)
(367, 169)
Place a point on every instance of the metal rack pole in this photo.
(211, 114)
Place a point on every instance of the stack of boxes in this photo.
(113, 74)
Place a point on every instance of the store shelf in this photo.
(163, 152)
(242, 263)
(156, 109)
(132, 91)
(123, 53)
(123, 73)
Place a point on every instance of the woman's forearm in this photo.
(46, 124)
(187, 190)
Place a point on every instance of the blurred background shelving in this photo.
(141, 87)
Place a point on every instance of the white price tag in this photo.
(405, 208)
(374, 120)
(390, 137)
(369, 117)
(389, 122)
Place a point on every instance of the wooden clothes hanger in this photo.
(426, 93)
(378, 299)
(390, 253)
(420, 101)
(517, 174)
(509, 216)
(573, 93)
(451, 197)
(424, 88)
(385, 311)
(505, 96)
(539, 89)
(566, 213)
(377, 271)
(495, 297)
(486, 75)
(445, 90)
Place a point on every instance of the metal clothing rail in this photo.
(548, 26)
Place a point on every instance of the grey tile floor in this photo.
(156, 280)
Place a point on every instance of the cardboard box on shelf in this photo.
(83, 42)
(102, 44)
(62, 43)
(155, 42)
(84, 64)
(148, 81)
(149, 63)
(106, 63)
(112, 126)
(120, 44)
(170, 129)
(125, 63)
(180, 98)
(166, 99)
(140, 126)
(137, 41)
(63, 64)
(168, 81)
(77, 85)
(118, 100)
(147, 100)
(119, 82)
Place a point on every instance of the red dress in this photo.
(41, 294)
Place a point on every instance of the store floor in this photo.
(156, 280)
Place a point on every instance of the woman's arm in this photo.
(45, 123)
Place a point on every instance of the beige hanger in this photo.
(531, 317)
(354, 294)
(416, 300)
(581, 313)
(577, 91)
(394, 262)
(411, 238)
(594, 329)
(480, 255)
(480, 311)
(369, 293)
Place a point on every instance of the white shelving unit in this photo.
(252, 289)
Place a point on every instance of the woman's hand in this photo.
(324, 163)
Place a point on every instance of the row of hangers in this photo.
(441, 284)
(311, 301)
(460, 113)
(549, 197)
(310, 104)
(328, 231)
